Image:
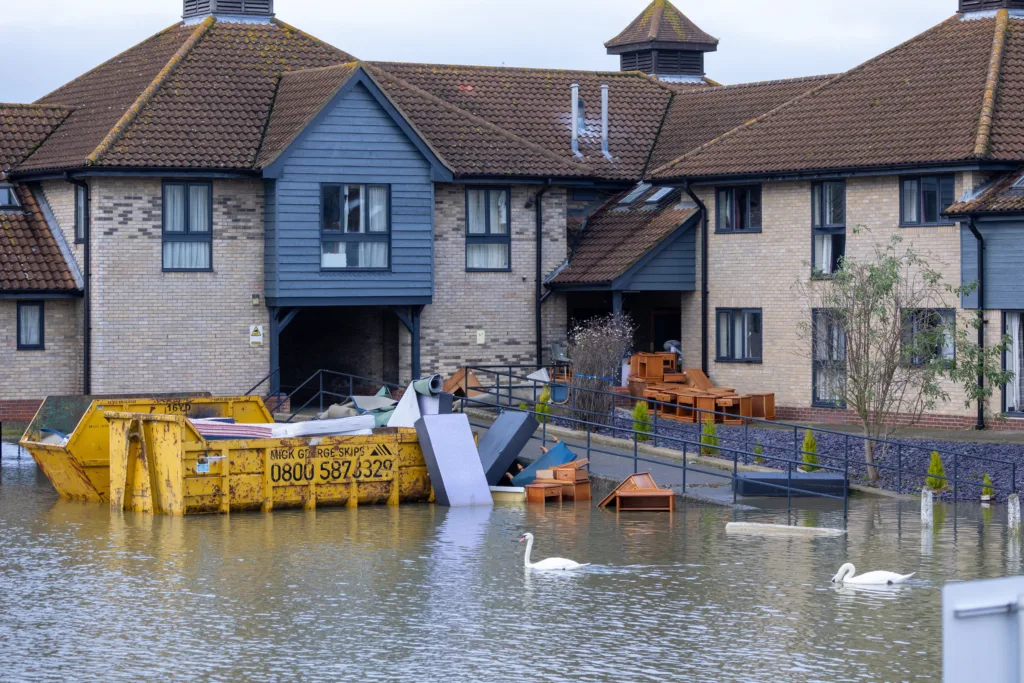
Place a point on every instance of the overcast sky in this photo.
(48, 42)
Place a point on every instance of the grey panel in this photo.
(1004, 261)
(452, 460)
(503, 443)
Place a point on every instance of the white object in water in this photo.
(550, 564)
(780, 530)
(847, 574)
(927, 506)
(1013, 512)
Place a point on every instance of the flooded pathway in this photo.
(425, 593)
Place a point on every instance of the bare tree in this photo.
(597, 348)
(881, 343)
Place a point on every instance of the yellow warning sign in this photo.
(255, 335)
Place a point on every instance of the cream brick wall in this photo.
(60, 195)
(764, 270)
(55, 371)
(156, 331)
(500, 304)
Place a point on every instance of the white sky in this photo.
(48, 42)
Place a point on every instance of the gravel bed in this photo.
(912, 456)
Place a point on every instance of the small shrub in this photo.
(810, 452)
(709, 437)
(936, 473)
(544, 405)
(986, 486)
(642, 421)
(759, 453)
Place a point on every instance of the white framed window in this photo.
(31, 326)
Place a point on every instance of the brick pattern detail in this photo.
(19, 411)
(500, 304)
(175, 331)
(34, 375)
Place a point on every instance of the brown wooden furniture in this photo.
(541, 491)
(763, 406)
(640, 492)
(463, 383)
(576, 490)
(652, 366)
(736, 408)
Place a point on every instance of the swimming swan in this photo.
(552, 563)
(847, 572)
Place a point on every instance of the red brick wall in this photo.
(19, 411)
(930, 421)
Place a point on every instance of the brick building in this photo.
(233, 174)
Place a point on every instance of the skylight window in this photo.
(8, 198)
(1019, 184)
(659, 195)
(635, 194)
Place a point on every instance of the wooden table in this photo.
(660, 500)
(540, 491)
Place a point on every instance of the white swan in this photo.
(550, 564)
(847, 573)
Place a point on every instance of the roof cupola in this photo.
(989, 5)
(663, 42)
(254, 9)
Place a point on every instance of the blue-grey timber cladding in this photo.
(1004, 263)
(672, 269)
(357, 142)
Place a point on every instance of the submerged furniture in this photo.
(558, 455)
(639, 493)
(541, 491)
(503, 443)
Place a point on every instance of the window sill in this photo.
(927, 225)
(31, 348)
(488, 270)
(757, 361)
(355, 270)
(738, 232)
(831, 406)
(824, 277)
(187, 270)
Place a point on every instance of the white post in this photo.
(575, 119)
(927, 507)
(1013, 513)
(604, 121)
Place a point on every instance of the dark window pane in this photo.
(835, 204)
(945, 193)
(930, 199)
(753, 329)
(332, 208)
(911, 202)
(838, 251)
(174, 208)
(816, 206)
(354, 208)
(725, 208)
(754, 219)
(30, 325)
(80, 210)
(199, 208)
(723, 334)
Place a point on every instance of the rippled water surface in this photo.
(425, 593)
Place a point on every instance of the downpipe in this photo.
(87, 298)
(703, 277)
(981, 318)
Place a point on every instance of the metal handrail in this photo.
(956, 481)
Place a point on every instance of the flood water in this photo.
(425, 593)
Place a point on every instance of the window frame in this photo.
(825, 229)
(732, 190)
(815, 402)
(342, 236)
(41, 346)
(921, 223)
(733, 312)
(488, 237)
(187, 235)
(908, 314)
(9, 188)
(80, 218)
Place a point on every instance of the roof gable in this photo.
(30, 258)
(25, 127)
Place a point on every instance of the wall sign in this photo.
(255, 335)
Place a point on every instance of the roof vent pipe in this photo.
(575, 118)
(604, 121)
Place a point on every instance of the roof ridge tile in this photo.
(149, 93)
(981, 143)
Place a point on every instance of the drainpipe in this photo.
(539, 199)
(87, 303)
(703, 277)
(981, 315)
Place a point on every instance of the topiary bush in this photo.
(936, 473)
(810, 452)
(709, 437)
(544, 405)
(642, 421)
(986, 486)
(759, 453)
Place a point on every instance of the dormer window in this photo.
(9, 198)
(635, 193)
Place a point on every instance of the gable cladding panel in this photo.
(356, 142)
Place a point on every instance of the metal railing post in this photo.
(636, 454)
(589, 460)
(655, 426)
(1013, 485)
(746, 436)
(351, 385)
(735, 474)
(684, 467)
(322, 390)
(846, 487)
(899, 467)
(956, 496)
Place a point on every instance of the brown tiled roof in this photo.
(25, 127)
(301, 95)
(699, 115)
(616, 237)
(1001, 197)
(918, 103)
(191, 96)
(1006, 140)
(30, 260)
(535, 105)
(661, 22)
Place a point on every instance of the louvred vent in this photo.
(260, 8)
(981, 5)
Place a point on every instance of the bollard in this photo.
(1013, 512)
(927, 507)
